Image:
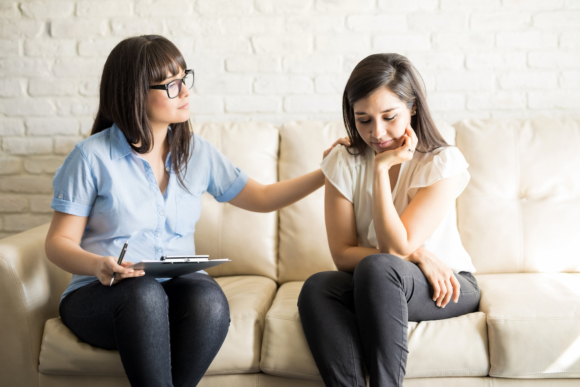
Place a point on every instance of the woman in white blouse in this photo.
(390, 219)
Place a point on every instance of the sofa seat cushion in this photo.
(249, 298)
(534, 324)
(452, 347)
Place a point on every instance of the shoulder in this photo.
(449, 156)
(201, 145)
(431, 167)
(92, 148)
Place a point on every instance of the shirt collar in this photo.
(120, 147)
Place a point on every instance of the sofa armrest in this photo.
(30, 290)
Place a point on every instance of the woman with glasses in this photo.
(140, 176)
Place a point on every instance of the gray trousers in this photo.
(357, 320)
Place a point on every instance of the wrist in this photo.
(417, 257)
(95, 264)
(381, 167)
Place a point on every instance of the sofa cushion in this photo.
(225, 231)
(249, 298)
(521, 210)
(452, 347)
(534, 324)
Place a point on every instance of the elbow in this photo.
(341, 262)
(47, 249)
(400, 251)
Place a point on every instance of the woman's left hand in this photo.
(401, 154)
(440, 276)
(343, 141)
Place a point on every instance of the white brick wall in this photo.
(269, 60)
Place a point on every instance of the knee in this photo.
(376, 266)
(209, 299)
(317, 288)
(145, 293)
(314, 285)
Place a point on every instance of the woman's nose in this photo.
(378, 130)
(185, 92)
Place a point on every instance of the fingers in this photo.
(448, 295)
(124, 271)
(456, 288)
(412, 135)
(436, 290)
(342, 141)
(442, 294)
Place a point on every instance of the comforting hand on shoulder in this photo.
(401, 154)
(343, 141)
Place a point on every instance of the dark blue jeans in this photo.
(357, 320)
(167, 333)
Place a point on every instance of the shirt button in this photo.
(60, 196)
(167, 169)
(158, 250)
(158, 235)
(161, 213)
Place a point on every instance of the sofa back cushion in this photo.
(249, 239)
(303, 243)
(521, 209)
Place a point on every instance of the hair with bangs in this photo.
(133, 65)
(396, 73)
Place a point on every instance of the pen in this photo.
(120, 260)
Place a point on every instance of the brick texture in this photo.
(269, 60)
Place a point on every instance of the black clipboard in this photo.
(169, 269)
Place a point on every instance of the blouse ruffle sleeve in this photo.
(339, 172)
(447, 163)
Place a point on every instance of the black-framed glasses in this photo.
(173, 88)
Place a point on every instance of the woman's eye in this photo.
(390, 118)
(364, 122)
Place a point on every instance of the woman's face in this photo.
(381, 119)
(163, 110)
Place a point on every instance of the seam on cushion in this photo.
(465, 316)
(262, 308)
(533, 373)
(245, 317)
(21, 296)
(282, 318)
(549, 318)
(289, 372)
(450, 369)
(243, 370)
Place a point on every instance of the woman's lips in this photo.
(186, 106)
(383, 144)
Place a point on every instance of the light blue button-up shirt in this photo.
(104, 179)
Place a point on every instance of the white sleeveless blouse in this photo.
(353, 177)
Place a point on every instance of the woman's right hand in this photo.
(108, 265)
(440, 276)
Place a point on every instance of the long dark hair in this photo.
(133, 65)
(396, 73)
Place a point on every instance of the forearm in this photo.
(70, 257)
(286, 192)
(392, 235)
(347, 258)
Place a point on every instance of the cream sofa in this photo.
(519, 218)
